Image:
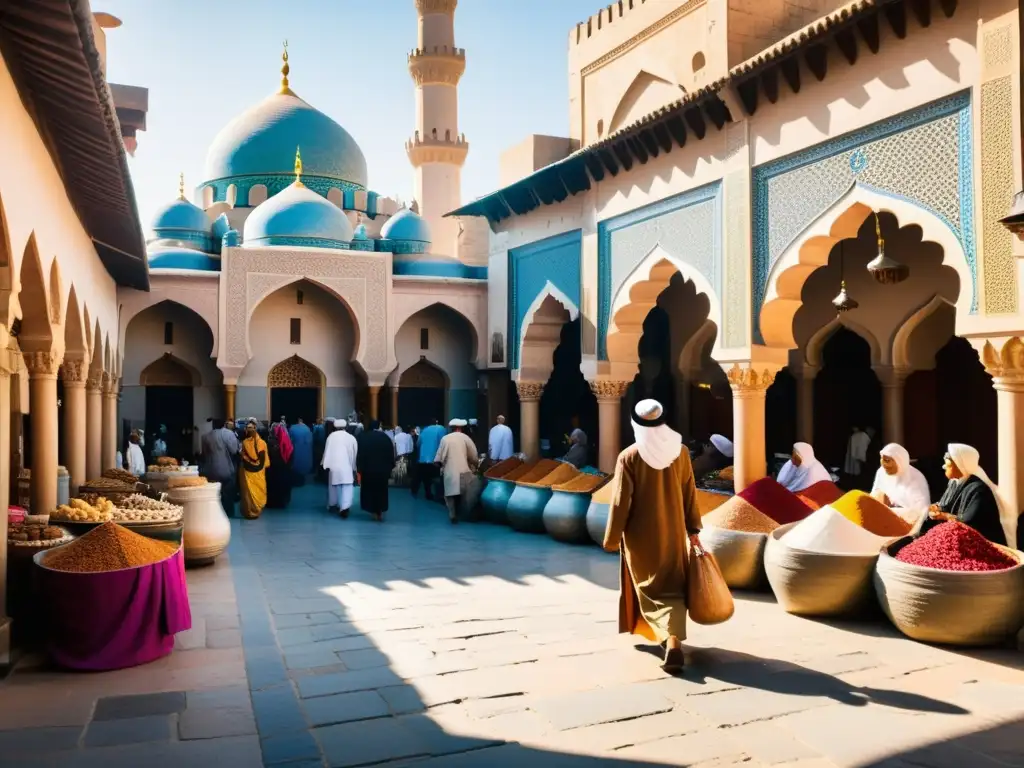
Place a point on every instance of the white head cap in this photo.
(340, 423)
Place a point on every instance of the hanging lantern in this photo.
(842, 302)
(885, 270)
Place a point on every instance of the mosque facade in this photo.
(282, 284)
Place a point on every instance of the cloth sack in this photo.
(707, 595)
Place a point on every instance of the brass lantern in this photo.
(885, 270)
(843, 302)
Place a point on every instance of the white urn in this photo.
(207, 528)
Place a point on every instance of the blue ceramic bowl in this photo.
(565, 517)
(597, 521)
(494, 500)
(525, 508)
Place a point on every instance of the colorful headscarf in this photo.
(284, 441)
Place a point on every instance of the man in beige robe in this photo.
(653, 509)
(457, 457)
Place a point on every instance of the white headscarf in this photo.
(968, 461)
(723, 444)
(340, 423)
(908, 488)
(810, 471)
(659, 445)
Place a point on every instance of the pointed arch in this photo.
(646, 93)
(56, 294)
(407, 310)
(901, 342)
(170, 371)
(424, 374)
(842, 221)
(692, 353)
(9, 282)
(817, 342)
(75, 341)
(87, 329)
(540, 333)
(639, 293)
(96, 366)
(34, 302)
(295, 372)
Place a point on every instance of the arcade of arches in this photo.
(892, 364)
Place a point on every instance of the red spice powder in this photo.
(820, 494)
(954, 546)
(770, 498)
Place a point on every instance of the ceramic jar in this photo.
(207, 528)
(565, 517)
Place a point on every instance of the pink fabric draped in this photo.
(284, 441)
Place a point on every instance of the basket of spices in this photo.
(952, 586)
(565, 514)
(501, 482)
(114, 599)
(525, 509)
(736, 534)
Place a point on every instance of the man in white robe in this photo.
(499, 442)
(458, 458)
(339, 460)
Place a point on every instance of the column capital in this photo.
(230, 387)
(807, 372)
(111, 385)
(751, 380)
(1003, 359)
(608, 391)
(74, 373)
(891, 375)
(529, 391)
(42, 364)
(424, 7)
(94, 381)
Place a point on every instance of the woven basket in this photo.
(740, 555)
(950, 607)
(816, 584)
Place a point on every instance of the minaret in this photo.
(437, 150)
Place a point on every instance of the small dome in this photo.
(183, 258)
(181, 215)
(408, 226)
(297, 216)
(360, 233)
(261, 141)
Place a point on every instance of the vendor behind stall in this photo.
(578, 453)
(716, 456)
(971, 497)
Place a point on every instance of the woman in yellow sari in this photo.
(252, 477)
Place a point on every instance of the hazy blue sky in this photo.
(205, 62)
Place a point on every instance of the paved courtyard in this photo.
(322, 642)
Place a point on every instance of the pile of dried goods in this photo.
(108, 547)
(821, 493)
(708, 501)
(828, 532)
(79, 511)
(502, 468)
(871, 515)
(603, 495)
(582, 483)
(167, 461)
(531, 472)
(562, 473)
(25, 535)
(138, 508)
(954, 546)
(121, 475)
(738, 514)
(188, 481)
(770, 498)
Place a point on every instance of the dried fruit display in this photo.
(79, 511)
(138, 509)
(121, 475)
(24, 535)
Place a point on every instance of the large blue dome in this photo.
(180, 215)
(298, 216)
(406, 225)
(262, 141)
(183, 258)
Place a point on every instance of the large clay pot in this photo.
(158, 480)
(525, 508)
(565, 517)
(740, 555)
(207, 528)
(495, 499)
(597, 521)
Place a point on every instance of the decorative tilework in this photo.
(530, 267)
(688, 226)
(998, 46)
(204, 240)
(299, 242)
(997, 188)
(401, 247)
(274, 184)
(922, 156)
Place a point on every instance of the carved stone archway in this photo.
(169, 371)
(296, 373)
(419, 383)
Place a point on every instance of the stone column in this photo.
(374, 400)
(892, 380)
(7, 366)
(74, 375)
(42, 379)
(108, 456)
(529, 417)
(1010, 401)
(229, 400)
(93, 425)
(805, 403)
(748, 390)
(609, 410)
(394, 407)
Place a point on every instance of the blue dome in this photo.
(298, 216)
(183, 258)
(406, 225)
(262, 141)
(360, 233)
(181, 215)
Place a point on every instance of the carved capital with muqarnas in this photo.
(1003, 359)
(607, 391)
(74, 373)
(529, 391)
(750, 381)
(42, 364)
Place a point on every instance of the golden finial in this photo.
(285, 69)
(298, 167)
(181, 186)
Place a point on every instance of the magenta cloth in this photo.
(101, 621)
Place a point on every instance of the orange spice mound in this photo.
(603, 495)
(582, 483)
(820, 494)
(108, 547)
(871, 515)
(560, 474)
(708, 502)
(502, 468)
(532, 472)
(738, 514)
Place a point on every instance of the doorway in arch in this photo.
(423, 395)
(294, 403)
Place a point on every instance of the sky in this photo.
(206, 61)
